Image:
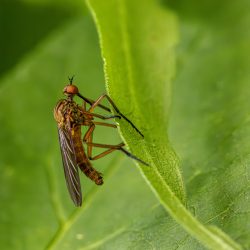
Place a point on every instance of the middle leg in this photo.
(88, 137)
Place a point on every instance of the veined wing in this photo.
(70, 166)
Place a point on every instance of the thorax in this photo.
(68, 113)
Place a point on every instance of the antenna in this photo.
(71, 79)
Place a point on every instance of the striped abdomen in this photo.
(81, 158)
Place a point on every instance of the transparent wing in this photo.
(70, 166)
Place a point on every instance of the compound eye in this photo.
(71, 89)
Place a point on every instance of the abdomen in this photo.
(82, 159)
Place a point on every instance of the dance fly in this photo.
(70, 117)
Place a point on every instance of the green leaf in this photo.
(138, 79)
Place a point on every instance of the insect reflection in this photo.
(70, 117)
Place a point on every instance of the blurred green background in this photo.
(44, 42)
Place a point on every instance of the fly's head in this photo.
(70, 90)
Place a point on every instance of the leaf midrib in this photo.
(127, 48)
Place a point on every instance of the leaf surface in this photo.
(139, 66)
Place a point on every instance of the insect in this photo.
(70, 117)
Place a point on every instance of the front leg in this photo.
(97, 102)
(90, 101)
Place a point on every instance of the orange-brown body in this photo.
(70, 117)
(81, 158)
